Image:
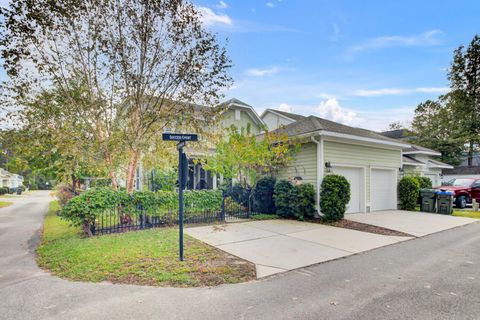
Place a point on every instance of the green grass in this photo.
(4, 204)
(147, 257)
(467, 214)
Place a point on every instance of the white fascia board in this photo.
(428, 153)
(362, 139)
(413, 164)
(437, 166)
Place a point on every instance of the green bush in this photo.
(305, 201)
(424, 182)
(4, 190)
(334, 197)
(263, 195)
(286, 197)
(408, 189)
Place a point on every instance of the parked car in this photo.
(465, 190)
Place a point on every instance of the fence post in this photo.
(223, 206)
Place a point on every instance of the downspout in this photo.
(320, 168)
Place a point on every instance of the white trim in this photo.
(362, 139)
(320, 169)
(428, 153)
(363, 191)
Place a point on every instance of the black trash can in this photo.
(428, 200)
(445, 202)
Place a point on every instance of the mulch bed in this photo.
(348, 224)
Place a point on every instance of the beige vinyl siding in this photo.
(274, 121)
(362, 155)
(304, 165)
(229, 119)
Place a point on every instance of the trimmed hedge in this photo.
(424, 182)
(408, 189)
(263, 201)
(86, 207)
(285, 197)
(306, 201)
(334, 197)
(4, 190)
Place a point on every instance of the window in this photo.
(237, 114)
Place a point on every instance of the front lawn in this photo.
(4, 204)
(467, 214)
(147, 257)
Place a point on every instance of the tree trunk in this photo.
(470, 154)
(111, 172)
(131, 170)
(74, 183)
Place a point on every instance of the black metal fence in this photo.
(118, 219)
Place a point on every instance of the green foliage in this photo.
(65, 194)
(163, 179)
(4, 190)
(262, 216)
(286, 197)
(334, 197)
(424, 182)
(263, 195)
(306, 201)
(86, 208)
(239, 194)
(408, 189)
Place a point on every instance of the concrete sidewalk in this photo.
(415, 223)
(281, 245)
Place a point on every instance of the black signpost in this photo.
(182, 139)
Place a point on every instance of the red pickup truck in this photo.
(465, 190)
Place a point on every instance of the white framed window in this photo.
(237, 114)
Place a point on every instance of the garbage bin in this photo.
(19, 190)
(428, 199)
(445, 202)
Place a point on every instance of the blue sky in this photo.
(362, 63)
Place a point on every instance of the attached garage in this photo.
(383, 189)
(356, 178)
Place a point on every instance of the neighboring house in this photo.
(275, 119)
(417, 160)
(236, 113)
(10, 180)
(370, 162)
(461, 172)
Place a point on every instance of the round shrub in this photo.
(285, 197)
(334, 197)
(263, 196)
(425, 182)
(408, 189)
(306, 201)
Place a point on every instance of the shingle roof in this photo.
(438, 164)
(397, 134)
(416, 148)
(290, 115)
(410, 160)
(462, 170)
(312, 124)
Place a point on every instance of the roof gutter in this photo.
(363, 139)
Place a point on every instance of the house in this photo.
(461, 172)
(10, 180)
(235, 113)
(370, 161)
(417, 160)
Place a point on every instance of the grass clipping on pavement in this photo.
(148, 257)
(4, 204)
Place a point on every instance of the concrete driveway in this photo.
(415, 223)
(280, 245)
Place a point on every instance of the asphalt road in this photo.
(435, 277)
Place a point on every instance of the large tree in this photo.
(139, 62)
(464, 76)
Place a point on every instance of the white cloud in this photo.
(285, 107)
(428, 38)
(270, 5)
(330, 109)
(222, 5)
(210, 18)
(256, 72)
(398, 91)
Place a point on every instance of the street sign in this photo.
(180, 137)
(181, 144)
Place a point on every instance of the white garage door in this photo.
(357, 185)
(383, 189)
